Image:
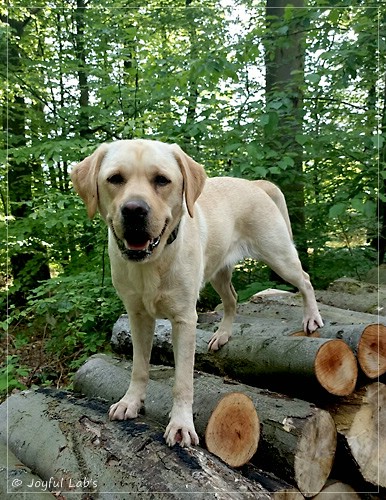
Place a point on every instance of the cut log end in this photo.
(233, 430)
(338, 491)
(372, 350)
(336, 368)
(315, 454)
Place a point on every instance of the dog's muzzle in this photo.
(140, 255)
(137, 254)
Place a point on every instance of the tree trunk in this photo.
(80, 51)
(279, 489)
(29, 259)
(284, 66)
(69, 440)
(268, 314)
(297, 440)
(271, 361)
(379, 243)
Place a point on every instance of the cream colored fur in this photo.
(220, 221)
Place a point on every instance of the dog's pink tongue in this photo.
(137, 246)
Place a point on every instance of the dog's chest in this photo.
(141, 288)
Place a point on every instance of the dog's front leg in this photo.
(181, 427)
(142, 331)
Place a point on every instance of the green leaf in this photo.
(337, 210)
(301, 139)
(313, 78)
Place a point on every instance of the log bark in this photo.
(360, 420)
(68, 439)
(278, 362)
(279, 489)
(348, 293)
(15, 478)
(297, 440)
(290, 306)
(109, 379)
(368, 343)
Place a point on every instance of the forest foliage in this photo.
(83, 72)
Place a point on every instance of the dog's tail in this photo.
(278, 197)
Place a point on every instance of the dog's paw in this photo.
(310, 324)
(180, 432)
(124, 410)
(218, 339)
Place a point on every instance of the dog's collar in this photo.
(173, 235)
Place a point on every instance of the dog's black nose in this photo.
(135, 212)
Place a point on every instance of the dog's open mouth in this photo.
(139, 240)
(137, 245)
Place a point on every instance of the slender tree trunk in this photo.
(379, 242)
(192, 88)
(29, 262)
(284, 64)
(84, 126)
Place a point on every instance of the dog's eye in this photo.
(161, 180)
(116, 179)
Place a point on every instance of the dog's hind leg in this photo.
(223, 286)
(284, 260)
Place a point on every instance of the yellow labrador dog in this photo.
(170, 230)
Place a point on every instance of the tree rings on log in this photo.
(233, 429)
(336, 368)
(372, 350)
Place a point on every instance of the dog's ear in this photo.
(84, 177)
(194, 177)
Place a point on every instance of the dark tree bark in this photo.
(284, 64)
(80, 49)
(379, 243)
(29, 263)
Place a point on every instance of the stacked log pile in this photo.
(321, 435)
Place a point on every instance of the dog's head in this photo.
(141, 188)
